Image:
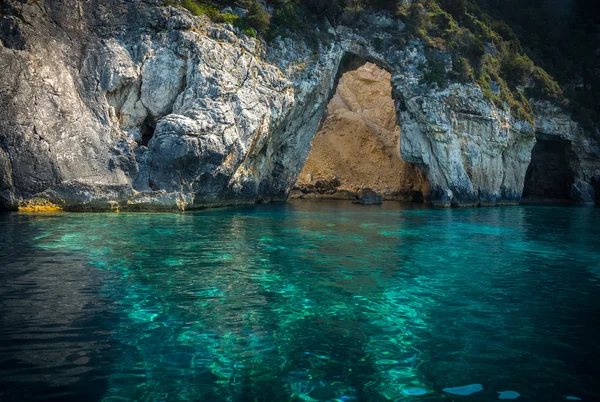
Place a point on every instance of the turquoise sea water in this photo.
(304, 301)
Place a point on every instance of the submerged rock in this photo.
(414, 391)
(508, 395)
(464, 390)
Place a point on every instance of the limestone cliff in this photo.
(128, 104)
(359, 143)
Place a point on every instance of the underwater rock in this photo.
(414, 391)
(322, 394)
(508, 395)
(464, 390)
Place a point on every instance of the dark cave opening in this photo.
(147, 130)
(550, 176)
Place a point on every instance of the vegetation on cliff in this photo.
(484, 50)
(562, 37)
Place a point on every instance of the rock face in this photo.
(471, 152)
(124, 104)
(368, 197)
(359, 144)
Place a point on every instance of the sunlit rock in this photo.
(358, 145)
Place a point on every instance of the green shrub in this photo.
(505, 32)
(286, 17)
(457, 8)
(516, 68)
(415, 18)
(544, 87)
(250, 32)
(331, 9)
(258, 18)
(293, 19)
(469, 46)
(463, 69)
(193, 7)
(435, 71)
(478, 28)
(226, 18)
(198, 8)
(439, 24)
(242, 24)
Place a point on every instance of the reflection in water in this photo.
(305, 301)
(52, 316)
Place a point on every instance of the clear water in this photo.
(303, 302)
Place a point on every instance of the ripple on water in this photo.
(301, 302)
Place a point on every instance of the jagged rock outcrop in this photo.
(359, 144)
(127, 104)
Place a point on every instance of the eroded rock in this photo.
(184, 113)
(358, 145)
(367, 196)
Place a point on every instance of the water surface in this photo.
(307, 301)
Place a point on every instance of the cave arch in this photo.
(357, 144)
(550, 174)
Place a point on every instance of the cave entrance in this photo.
(358, 144)
(550, 176)
(147, 130)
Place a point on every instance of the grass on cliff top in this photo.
(287, 18)
(249, 24)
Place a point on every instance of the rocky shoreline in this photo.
(333, 190)
(127, 105)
